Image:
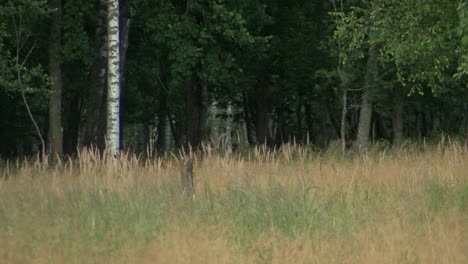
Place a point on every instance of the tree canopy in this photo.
(265, 72)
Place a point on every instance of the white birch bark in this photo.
(113, 79)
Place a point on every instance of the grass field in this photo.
(287, 206)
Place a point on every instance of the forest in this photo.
(233, 73)
(233, 131)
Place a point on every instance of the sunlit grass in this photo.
(291, 205)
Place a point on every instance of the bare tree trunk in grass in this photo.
(113, 80)
(187, 175)
(55, 100)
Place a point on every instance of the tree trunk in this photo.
(419, 124)
(71, 131)
(466, 129)
(309, 122)
(161, 144)
(365, 116)
(95, 129)
(323, 123)
(344, 112)
(197, 107)
(229, 126)
(168, 135)
(261, 125)
(126, 19)
(176, 130)
(214, 125)
(249, 121)
(300, 118)
(55, 101)
(398, 109)
(113, 80)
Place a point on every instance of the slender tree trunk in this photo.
(262, 107)
(168, 138)
(175, 129)
(398, 109)
(249, 121)
(281, 136)
(197, 107)
(71, 131)
(365, 116)
(214, 124)
(261, 125)
(323, 123)
(309, 122)
(229, 126)
(300, 118)
(96, 112)
(466, 129)
(113, 80)
(126, 19)
(419, 124)
(55, 101)
(344, 112)
(161, 144)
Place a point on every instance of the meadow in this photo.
(291, 205)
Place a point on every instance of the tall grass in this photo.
(264, 206)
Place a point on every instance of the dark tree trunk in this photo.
(71, 130)
(466, 129)
(333, 120)
(300, 119)
(309, 121)
(161, 144)
(419, 124)
(176, 129)
(125, 21)
(197, 107)
(249, 120)
(344, 112)
(365, 116)
(398, 108)
(261, 125)
(323, 123)
(96, 112)
(55, 101)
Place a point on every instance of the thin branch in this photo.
(19, 67)
(27, 55)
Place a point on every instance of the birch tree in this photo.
(113, 80)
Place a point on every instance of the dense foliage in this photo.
(266, 71)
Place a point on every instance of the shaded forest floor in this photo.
(288, 206)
